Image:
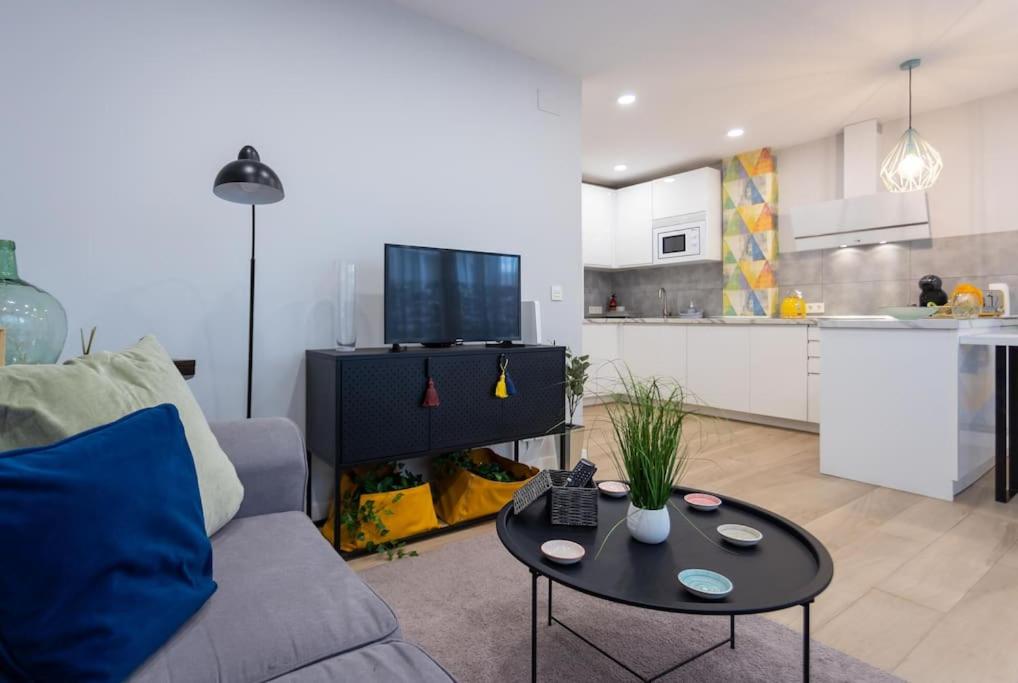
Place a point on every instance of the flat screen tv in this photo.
(437, 296)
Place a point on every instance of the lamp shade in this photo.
(912, 165)
(248, 181)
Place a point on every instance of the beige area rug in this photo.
(468, 604)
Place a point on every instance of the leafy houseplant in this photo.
(576, 378)
(450, 462)
(355, 514)
(647, 419)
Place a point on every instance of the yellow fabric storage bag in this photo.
(463, 495)
(413, 513)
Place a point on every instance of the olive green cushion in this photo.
(42, 404)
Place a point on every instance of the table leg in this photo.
(1012, 419)
(731, 632)
(1000, 474)
(550, 582)
(307, 484)
(335, 503)
(805, 642)
(533, 626)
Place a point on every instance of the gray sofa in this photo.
(287, 608)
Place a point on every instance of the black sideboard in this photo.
(366, 405)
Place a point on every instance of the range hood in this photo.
(864, 216)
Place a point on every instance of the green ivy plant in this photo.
(451, 462)
(354, 515)
(576, 379)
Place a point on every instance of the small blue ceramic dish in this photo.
(705, 584)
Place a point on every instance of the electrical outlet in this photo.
(556, 292)
(815, 308)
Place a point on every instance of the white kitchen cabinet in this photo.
(777, 371)
(633, 239)
(690, 192)
(813, 398)
(651, 350)
(717, 372)
(601, 341)
(597, 220)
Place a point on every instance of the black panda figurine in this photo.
(930, 286)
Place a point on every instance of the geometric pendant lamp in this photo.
(913, 164)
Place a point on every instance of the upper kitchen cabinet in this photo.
(685, 193)
(597, 220)
(633, 240)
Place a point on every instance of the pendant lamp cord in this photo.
(910, 97)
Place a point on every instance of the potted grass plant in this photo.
(647, 418)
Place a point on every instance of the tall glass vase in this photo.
(35, 322)
(346, 306)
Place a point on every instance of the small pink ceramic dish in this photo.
(614, 489)
(702, 501)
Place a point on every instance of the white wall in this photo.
(978, 142)
(383, 125)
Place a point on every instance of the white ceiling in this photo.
(787, 71)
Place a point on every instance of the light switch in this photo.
(556, 292)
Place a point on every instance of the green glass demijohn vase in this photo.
(35, 322)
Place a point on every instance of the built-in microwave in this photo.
(680, 238)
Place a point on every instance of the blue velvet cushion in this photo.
(103, 551)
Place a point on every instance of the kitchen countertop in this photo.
(720, 320)
(888, 323)
(876, 322)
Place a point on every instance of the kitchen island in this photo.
(906, 405)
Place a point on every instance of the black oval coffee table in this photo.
(789, 567)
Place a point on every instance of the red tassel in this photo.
(430, 395)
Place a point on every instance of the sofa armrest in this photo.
(268, 453)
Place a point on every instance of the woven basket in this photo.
(572, 506)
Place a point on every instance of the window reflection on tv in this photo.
(433, 296)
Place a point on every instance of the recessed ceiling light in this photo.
(883, 241)
(735, 133)
(842, 246)
(626, 99)
(669, 179)
(620, 167)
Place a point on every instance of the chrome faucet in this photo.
(662, 294)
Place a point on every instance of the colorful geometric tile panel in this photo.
(749, 196)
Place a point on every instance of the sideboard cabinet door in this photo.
(469, 412)
(381, 415)
(539, 404)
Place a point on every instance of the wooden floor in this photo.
(922, 588)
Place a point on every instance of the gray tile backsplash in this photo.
(851, 281)
(637, 288)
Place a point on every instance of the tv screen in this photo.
(444, 295)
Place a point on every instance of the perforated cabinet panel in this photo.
(380, 410)
(539, 403)
(469, 411)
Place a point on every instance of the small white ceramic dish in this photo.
(613, 489)
(562, 551)
(702, 501)
(705, 584)
(740, 534)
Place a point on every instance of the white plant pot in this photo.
(648, 526)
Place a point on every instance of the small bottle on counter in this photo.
(613, 303)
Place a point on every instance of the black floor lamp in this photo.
(248, 181)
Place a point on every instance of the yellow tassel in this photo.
(500, 390)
